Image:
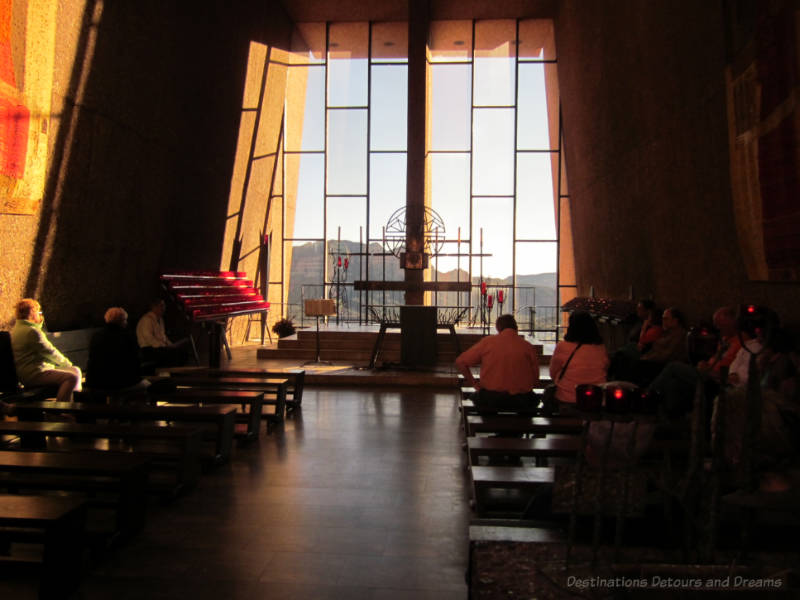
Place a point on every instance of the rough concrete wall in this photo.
(256, 181)
(643, 95)
(141, 154)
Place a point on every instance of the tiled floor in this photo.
(361, 496)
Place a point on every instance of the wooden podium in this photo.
(319, 308)
(418, 335)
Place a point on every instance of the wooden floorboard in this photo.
(361, 494)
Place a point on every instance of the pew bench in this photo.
(250, 403)
(294, 391)
(59, 524)
(530, 481)
(539, 448)
(220, 417)
(274, 390)
(10, 388)
(468, 391)
(564, 447)
(177, 447)
(467, 408)
(74, 344)
(519, 425)
(122, 474)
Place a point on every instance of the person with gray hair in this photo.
(37, 361)
(114, 355)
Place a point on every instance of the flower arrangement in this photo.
(283, 328)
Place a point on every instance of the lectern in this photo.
(418, 335)
(317, 309)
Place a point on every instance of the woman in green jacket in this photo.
(37, 361)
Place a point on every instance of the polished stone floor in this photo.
(362, 495)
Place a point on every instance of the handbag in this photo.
(549, 401)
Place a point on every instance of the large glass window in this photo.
(388, 107)
(387, 189)
(490, 170)
(504, 89)
(347, 151)
(306, 196)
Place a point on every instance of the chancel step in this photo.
(357, 346)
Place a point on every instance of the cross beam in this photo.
(412, 286)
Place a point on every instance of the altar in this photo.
(418, 326)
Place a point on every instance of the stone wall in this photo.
(646, 138)
(147, 99)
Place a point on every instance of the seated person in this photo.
(777, 447)
(752, 343)
(509, 369)
(677, 380)
(37, 361)
(640, 340)
(114, 356)
(778, 365)
(580, 358)
(651, 328)
(670, 346)
(151, 334)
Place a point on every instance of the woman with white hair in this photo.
(37, 361)
(114, 355)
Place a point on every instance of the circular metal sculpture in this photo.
(432, 234)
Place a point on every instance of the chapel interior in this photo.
(144, 138)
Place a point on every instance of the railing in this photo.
(445, 315)
(540, 321)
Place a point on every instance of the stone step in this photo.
(355, 356)
(357, 346)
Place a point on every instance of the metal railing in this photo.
(540, 321)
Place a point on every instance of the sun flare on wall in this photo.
(27, 44)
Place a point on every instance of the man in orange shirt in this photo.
(509, 369)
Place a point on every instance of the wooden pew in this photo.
(518, 425)
(88, 472)
(185, 440)
(274, 390)
(60, 525)
(529, 480)
(468, 408)
(296, 377)
(11, 389)
(222, 417)
(252, 401)
(536, 447)
(468, 391)
(74, 344)
(532, 480)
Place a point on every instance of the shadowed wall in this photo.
(646, 139)
(142, 145)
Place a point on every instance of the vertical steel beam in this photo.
(418, 22)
